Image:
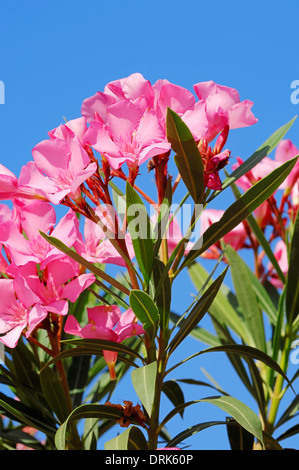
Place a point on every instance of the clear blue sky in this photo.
(53, 54)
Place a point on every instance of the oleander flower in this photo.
(223, 107)
(108, 323)
(19, 311)
(22, 237)
(62, 165)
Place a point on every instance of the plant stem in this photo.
(277, 392)
(153, 430)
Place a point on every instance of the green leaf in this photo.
(198, 333)
(182, 436)
(163, 297)
(174, 393)
(131, 439)
(139, 227)
(85, 411)
(247, 299)
(264, 150)
(29, 416)
(78, 377)
(90, 266)
(54, 393)
(263, 298)
(240, 210)
(247, 351)
(239, 438)
(197, 312)
(221, 308)
(144, 383)
(240, 412)
(145, 310)
(289, 412)
(163, 219)
(235, 408)
(292, 286)
(188, 158)
(289, 433)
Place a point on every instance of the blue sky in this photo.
(54, 54)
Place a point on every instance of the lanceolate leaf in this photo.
(197, 312)
(139, 227)
(174, 392)
(247, 299)
(144, 383)
(182, 436)
(92, 268)
(248, 351)
(240, 210)
(131, 439)
(188, 158)
(221, 307)
(54, 393)
(163, 297)
(82, 412)
(292, 287)
(240, 412)
(233, 407)
(101, 344)
(28, 416)
(145, 310)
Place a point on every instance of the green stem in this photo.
(278, 387)
(153, 430)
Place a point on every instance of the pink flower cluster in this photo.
(273, 213)
(37, 279)
(126, 125)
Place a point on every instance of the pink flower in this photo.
(129, 136)
(224, 108)
(134, 88)
(182, 102)
(19, 311)
(11, 187)
(34, 217)
(108, 323)
(62, 165)
(213, 166)
(77, 126)
(55, 285)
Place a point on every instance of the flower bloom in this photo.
(108, 323)
(223, 107)
(127, 122)
(129, 136)
(31, 218)
(19, 310)
(62, 164)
